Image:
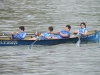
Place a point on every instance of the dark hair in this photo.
(69, 27)
(83, 24)
(22, 28)
(50, 28)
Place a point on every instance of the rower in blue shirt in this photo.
(63, 34)
(44, 35)
(83, 30)
(19, 35)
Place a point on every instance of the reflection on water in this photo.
(37, 15)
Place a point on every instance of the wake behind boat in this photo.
(92, 36)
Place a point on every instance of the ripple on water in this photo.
(57, 59)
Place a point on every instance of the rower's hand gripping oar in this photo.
(79, 41)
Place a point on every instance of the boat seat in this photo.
(91, 32)
(5, 38)
(27, 37)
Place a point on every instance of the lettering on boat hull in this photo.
(8, 42)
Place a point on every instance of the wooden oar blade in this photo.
(78, 43)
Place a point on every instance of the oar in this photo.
(8, 34)
(79, 41)
(38, 38)
(1, 34)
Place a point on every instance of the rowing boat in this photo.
(92, 36)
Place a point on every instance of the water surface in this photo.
(38, 15)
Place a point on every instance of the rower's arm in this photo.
(64, 35)
(20, 36)
(85, 33)
(55, 33)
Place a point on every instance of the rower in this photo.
(44, 35)
(83, 30)
(19, 35)
(62, 34)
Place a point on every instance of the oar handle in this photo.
(5, 34)
(30, 34)
(8, 34)
(1, 34)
